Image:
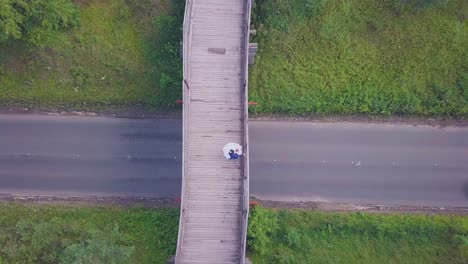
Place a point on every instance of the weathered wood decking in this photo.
(214, 191)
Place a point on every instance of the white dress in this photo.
(234, 146)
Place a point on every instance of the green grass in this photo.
(113, 234)
(110, 61)
(384, 57)
(317, 237)
(316, 57)
(53, 234)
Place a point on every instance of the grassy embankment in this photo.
(86, 234)
(123, 54)
(385, 57)
(316, 57)
(64, 234)
(317, 237)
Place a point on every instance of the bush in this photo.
(36, 21)
(72, 234)
(99, 247)
(262, 225)
(164, 54)
(54, 241)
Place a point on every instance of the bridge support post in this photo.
(171, 260)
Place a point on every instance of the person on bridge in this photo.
(232, 151)
(233, 154)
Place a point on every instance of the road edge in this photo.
(144, 114)
(123, 113)
(174, 202)
(368, 208)
(394, 120)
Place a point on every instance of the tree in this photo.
(35, 21)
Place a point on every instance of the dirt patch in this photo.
(142, 113)
(16, 64)
(19, 64)
(174, 202)
(118, 113)
(150, 202)
(144, 12)
(82, 3)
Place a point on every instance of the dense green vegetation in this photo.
(84, 234)
(316, 57)
(317, 237)
(385, 57)
(112, 234)
(35, 22)
(91, 54)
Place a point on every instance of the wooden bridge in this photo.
(215, 191)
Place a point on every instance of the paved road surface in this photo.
(345, 162)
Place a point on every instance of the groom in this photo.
(233, 154)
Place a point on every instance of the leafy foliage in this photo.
(53, 242)
(100, 247)
(164, 53)
(47, 234)
(385, 57)
(262, 225)
(36, 21)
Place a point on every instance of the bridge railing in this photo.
(245, 189)
(187, 38)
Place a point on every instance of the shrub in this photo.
(55, 241)
(99, 247)
(164, 54)
(36, 21)
(262, 225)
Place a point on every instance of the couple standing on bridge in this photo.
(232, 151)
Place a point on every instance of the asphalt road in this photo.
(339, 162)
